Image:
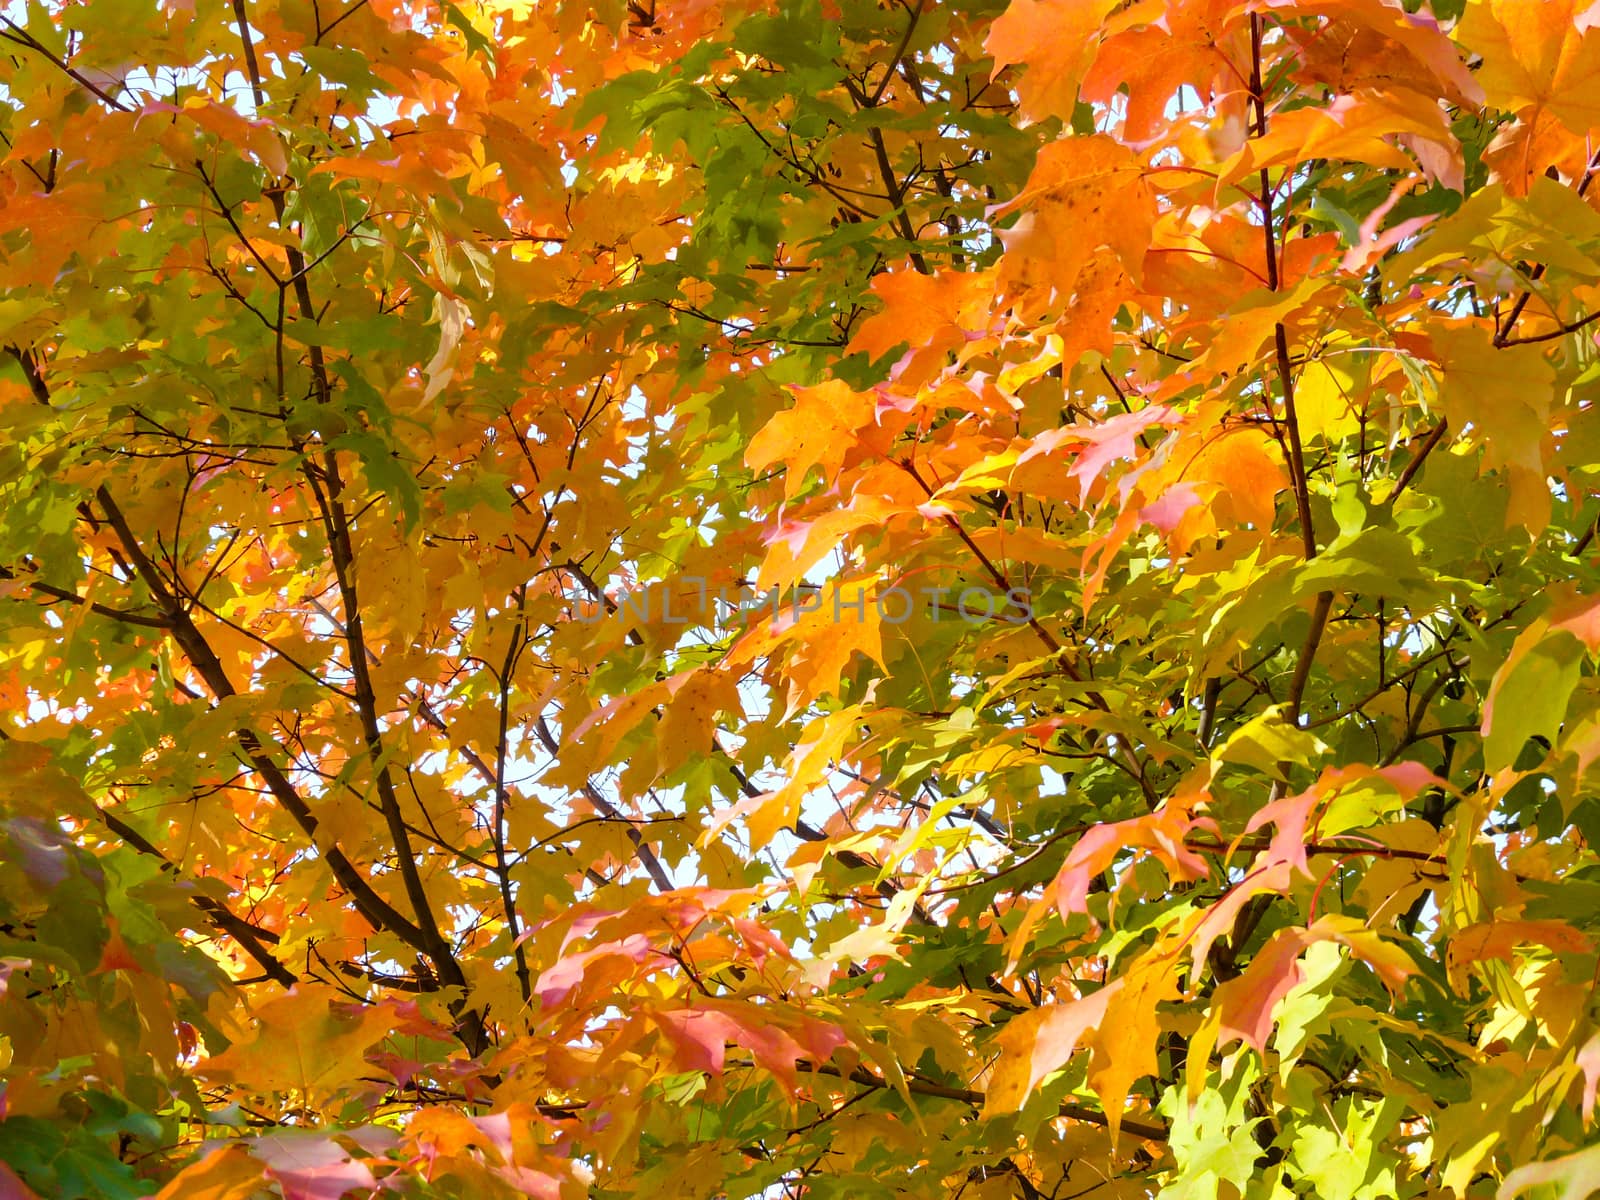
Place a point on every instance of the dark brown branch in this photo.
(22, 37)
(646, 856)
(1421, 456)
(428, 937)
(1560, 331)
(249, 937)
(103, 610)
(924, 1087)
(1502, 334)
(377, 911)
(497, 828)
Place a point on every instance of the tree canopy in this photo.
(776, 598)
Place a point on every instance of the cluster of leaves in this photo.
(410, 409)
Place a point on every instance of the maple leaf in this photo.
(1577, 1174)
(1504, 394)
(1498, 939)
(1056, 38)
(1157, 50)
(823, 744)
(1245, 1005)
(306, 1040)
(1083, 193)
(1125, 1042)
(1040, 1042)
(932, 314)
(1161, 833)
(689, 716)
(311, 1167)
(1121, 1039)
(776, 1041)
(226, 1173)
(1529, 692)
(1537, 58)
(826, 422)
(1355, 128)
(13, 1182)
(557, 983)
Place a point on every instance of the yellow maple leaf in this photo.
(306, 1041)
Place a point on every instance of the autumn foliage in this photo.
(775, 598)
